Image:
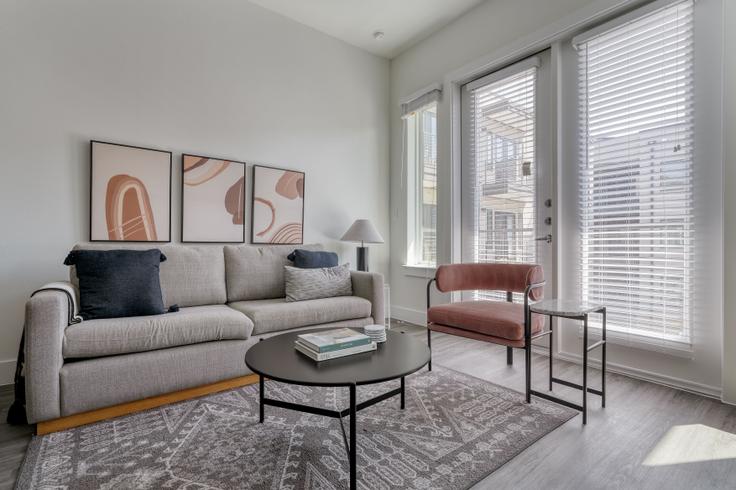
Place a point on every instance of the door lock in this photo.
(547, 239)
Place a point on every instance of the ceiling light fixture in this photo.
(378, 35)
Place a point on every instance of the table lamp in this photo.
(364, 232)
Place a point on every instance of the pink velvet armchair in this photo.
(505, 323)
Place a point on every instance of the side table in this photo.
(573, 310)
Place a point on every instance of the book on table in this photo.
(333, 354)
(333, 340)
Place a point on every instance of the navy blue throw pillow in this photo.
(118, 283)
(307, 259)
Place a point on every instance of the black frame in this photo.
(509, 350)
(528, 338)
(91, 181)
(181, 198)
(252, 204)
(586, 348)
(352, 410)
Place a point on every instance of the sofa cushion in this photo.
(191, 276)
(273, 315)
(313, 259)
(257, 272)
(118, 283)
(193, 325)
(325, 282)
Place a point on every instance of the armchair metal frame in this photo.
(528, 337)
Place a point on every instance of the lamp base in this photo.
(362, 259)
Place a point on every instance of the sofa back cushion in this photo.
(190, 276)
(315, 283)
(258, 272)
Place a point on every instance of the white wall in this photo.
(222, 78)
(729, 161)
(483, 30)
(482, 38)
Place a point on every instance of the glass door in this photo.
(506, 178)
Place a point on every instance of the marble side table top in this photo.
(564, 307)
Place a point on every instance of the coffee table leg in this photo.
(260, 382)
(403, 388)
(353, 438)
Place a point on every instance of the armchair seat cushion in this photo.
(193, 325)
(490, 318)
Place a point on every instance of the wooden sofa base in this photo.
(84, 418)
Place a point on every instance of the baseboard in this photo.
(644, 375)
(85, 418)
(7, 372)
(417, 317)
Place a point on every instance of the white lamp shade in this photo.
(362, 231)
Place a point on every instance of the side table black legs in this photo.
(585, 369)
(561, 309)
(603, 361)
(551, 338)
(403, 396)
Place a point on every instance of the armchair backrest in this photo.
(490, 277)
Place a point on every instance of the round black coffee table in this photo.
(278, 360)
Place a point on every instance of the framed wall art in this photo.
(130, 193)
(277, 210)
(212, 200)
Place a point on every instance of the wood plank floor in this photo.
(642, 423)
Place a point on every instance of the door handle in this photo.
(547, 238)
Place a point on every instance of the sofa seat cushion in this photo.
(273, 315)
(492, 318)
(194, 325)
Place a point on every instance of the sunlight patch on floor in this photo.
(692, 444)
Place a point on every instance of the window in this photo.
(499, 168)
(421, 126)
(636, 202)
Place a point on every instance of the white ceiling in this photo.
(403, 22)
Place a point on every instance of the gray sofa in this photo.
(230, 297)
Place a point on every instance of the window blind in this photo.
(636, 155)
(426, 211)
(500, 145)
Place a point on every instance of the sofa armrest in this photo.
(48, 313)
(369, 285)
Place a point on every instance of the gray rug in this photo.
(456, 429)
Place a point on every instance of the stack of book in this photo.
(332, 344)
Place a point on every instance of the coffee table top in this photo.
(276, 358)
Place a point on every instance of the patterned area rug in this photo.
(455, 430)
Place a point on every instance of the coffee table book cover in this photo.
(325, 356)
(332, 340)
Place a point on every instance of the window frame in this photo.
(416, 166)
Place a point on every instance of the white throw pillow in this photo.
(325, 282)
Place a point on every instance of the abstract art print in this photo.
(130, 194)
(278, 206)
(212, 200)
